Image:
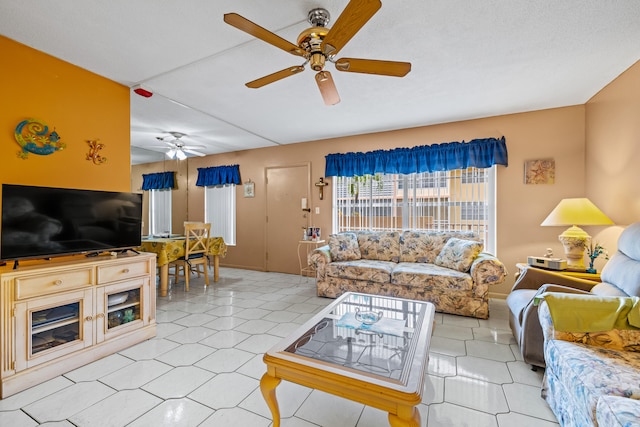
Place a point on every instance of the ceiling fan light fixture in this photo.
(180, 155)
(171, 153)
(317, 61)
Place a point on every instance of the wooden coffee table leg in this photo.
(268, 386)
(407, 417)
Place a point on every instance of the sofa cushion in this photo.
(381, 245)
(623, 272)
(367, 270)
(608, 290)
(589, 372)
(344, 247)
(430, 276)
(458, 254)
(420, 246)
(623, 269)
(614, 411)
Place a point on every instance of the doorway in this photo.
(286, 186)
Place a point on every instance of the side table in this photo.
(594, 277)
(307, 244)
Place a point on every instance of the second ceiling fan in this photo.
(176, 148)
(319, 44)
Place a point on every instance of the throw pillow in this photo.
(458, 254)
(344, 247)
(380, 245)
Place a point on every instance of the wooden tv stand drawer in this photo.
(37, 283)
(58, 315)
(122, 271)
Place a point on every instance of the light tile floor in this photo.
(204, 365)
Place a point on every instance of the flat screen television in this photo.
(43, 222)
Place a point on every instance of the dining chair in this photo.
(195, 254)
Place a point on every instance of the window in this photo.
(440, 201)
(160, 212)
(470, 211)
(220, 211)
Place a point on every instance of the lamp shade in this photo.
(579, 211)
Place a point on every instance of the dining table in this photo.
(171, 248)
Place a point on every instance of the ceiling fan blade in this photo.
(197, 153)
(327, 88)
(263, 34)
(193, 147)
(164, 140)
(352, 18)
(372, 66)
(278, 75)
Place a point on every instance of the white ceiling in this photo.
(470, 59)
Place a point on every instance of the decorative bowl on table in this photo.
(368, 317)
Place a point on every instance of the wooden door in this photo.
(286, 187)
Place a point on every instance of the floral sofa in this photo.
(592, 376)
(448, 269)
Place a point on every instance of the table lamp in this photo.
(574, 212)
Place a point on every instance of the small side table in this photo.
(307, 244)
(594, 277)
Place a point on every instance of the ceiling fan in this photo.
(319, 44)
(177, 148)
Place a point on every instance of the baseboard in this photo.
(497, 295)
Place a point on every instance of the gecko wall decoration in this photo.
(94, 147)
(34, 137)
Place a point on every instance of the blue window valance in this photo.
(158, 181)
(480, 153)
(218, 175)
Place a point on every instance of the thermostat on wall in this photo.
(550, 263)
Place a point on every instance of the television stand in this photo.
(38, 344)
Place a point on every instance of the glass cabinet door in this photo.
(53, 326)
(121, 307)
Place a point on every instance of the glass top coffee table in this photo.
(366, 348)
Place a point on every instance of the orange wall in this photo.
(557, 133)
(80, 106)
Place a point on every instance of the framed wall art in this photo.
(249, 189)
(540, 171)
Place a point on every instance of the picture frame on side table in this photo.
(249, 189)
